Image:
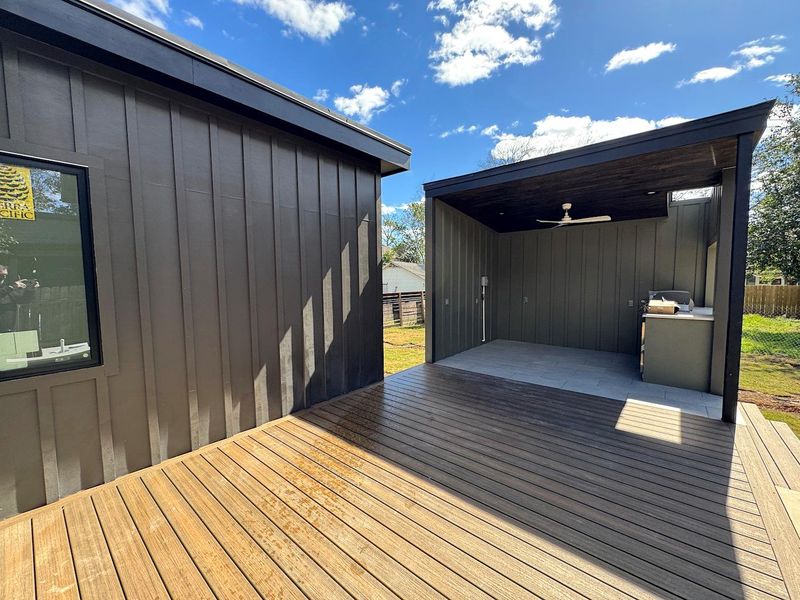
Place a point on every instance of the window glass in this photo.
(47, 309)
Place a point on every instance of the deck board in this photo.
(435, 483)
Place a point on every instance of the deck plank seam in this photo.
(169, 524)
(211, 533)
(422, 508)
(335, 517)
(469, 515)
(361, 510)
(638, 500)
(609, 441)
(433, 418)
(668, 547)
(108, 546)
(565, 525)
(259, 511)
(545, 402)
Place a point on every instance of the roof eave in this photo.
(751, 119)
(112, 33)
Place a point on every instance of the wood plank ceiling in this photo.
(629, 188)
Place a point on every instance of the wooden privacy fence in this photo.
(403, 308)
(57, 313)
(772, 300)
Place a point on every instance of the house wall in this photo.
(238, 274)
(463, 251)
(581, 286)
(398, 279)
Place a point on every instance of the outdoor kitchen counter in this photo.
(700, 313)
(677, 349)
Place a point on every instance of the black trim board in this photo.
(102, 33)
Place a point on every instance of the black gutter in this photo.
(751, 119)
(100, 32)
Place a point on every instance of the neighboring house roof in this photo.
(103, 33)
(413, 268)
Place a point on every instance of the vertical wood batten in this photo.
(222, 298)
(47, 439)
(284, 360)
(16, 114)
(140, 245)
(104, 425)
(259, 373)
(307, 326)
(185, 274)
(81, 142)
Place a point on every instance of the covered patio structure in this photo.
(561, 306)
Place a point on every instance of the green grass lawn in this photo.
(403, 348)
(771, 336)
(771, 366)
(791, 419)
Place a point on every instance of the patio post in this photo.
(741, 208)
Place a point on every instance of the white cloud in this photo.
(750, 55)
(457, 130)
(318, 19)
(193, 21)
(393, 6)
(490, 131)
(397, 86)
(486, 36)
(364, 103)
(388, 210)
(638, 56)
(154, 11)
(756, 55)
(322, 95)
(713, 74)
(781, 79)
(555, 133)
(442, 20)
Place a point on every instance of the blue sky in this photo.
(459, 79)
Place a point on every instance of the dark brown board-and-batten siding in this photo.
(566, 286)
(237, 267)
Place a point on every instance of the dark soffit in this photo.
(626, 178)
(101, 32)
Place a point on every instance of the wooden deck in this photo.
(437, 483)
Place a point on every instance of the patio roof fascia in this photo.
(98, 31)
(750, 119)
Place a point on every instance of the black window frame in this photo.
(89, 274)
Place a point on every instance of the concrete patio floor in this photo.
(606, 374)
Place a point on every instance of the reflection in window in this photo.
(44, 261)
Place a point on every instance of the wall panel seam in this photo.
(259, 374)
(16, 113)
(222, 297)
(106, 431)
(140, 250)
(80, 141)
(47, 440)
(185, 275)
(276, 240)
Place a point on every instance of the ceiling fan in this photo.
(567, 220)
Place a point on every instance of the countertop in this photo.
(700, 313)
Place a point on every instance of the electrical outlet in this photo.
(630, 303)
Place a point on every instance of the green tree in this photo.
(404, 233)
(774, 235)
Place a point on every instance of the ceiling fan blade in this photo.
(553, 222)
(602, 219)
